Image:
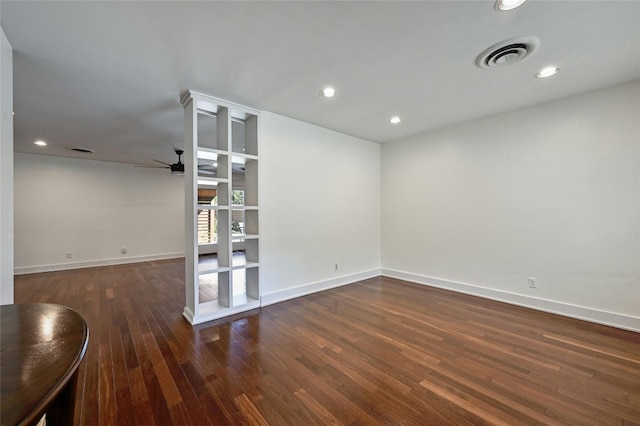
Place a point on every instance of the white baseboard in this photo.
(93, 263)
(305, 289)
(565, 309)
(188, 314)
(210, 315)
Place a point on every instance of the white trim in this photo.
(93, 263)
(223, 313)
(188, 314)
(565, 309)
(192, 94)
(305, 289)
(573, 311)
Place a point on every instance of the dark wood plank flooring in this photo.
(380, 351)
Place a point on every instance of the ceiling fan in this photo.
(178, 168)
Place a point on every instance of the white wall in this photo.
(92, 209)
(6, 172)
(551, 192)
(320, 205)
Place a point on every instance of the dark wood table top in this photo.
(41, 346)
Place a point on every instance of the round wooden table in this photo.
(41, 347)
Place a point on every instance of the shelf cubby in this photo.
(213, 165)
(252, 250)
(251, 224)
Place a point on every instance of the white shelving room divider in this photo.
(222, 245)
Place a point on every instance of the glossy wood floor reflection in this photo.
(380, 351)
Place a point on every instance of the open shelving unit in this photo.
(222, 214)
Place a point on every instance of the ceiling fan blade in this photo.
(151, 167)
(162, 162)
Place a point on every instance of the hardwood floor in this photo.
(380, 351)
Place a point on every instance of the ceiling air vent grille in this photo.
(508, 52)
(81, 150)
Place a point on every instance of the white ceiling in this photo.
(109, 75)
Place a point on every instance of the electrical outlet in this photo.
(335, 266)
(123, 250)
(532, 282)
(68, 255)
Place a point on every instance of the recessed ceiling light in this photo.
(508, 4)
(395, 120)
(547, 72)
(328, 92)
(40, 143)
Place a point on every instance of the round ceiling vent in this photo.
(508, 52)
